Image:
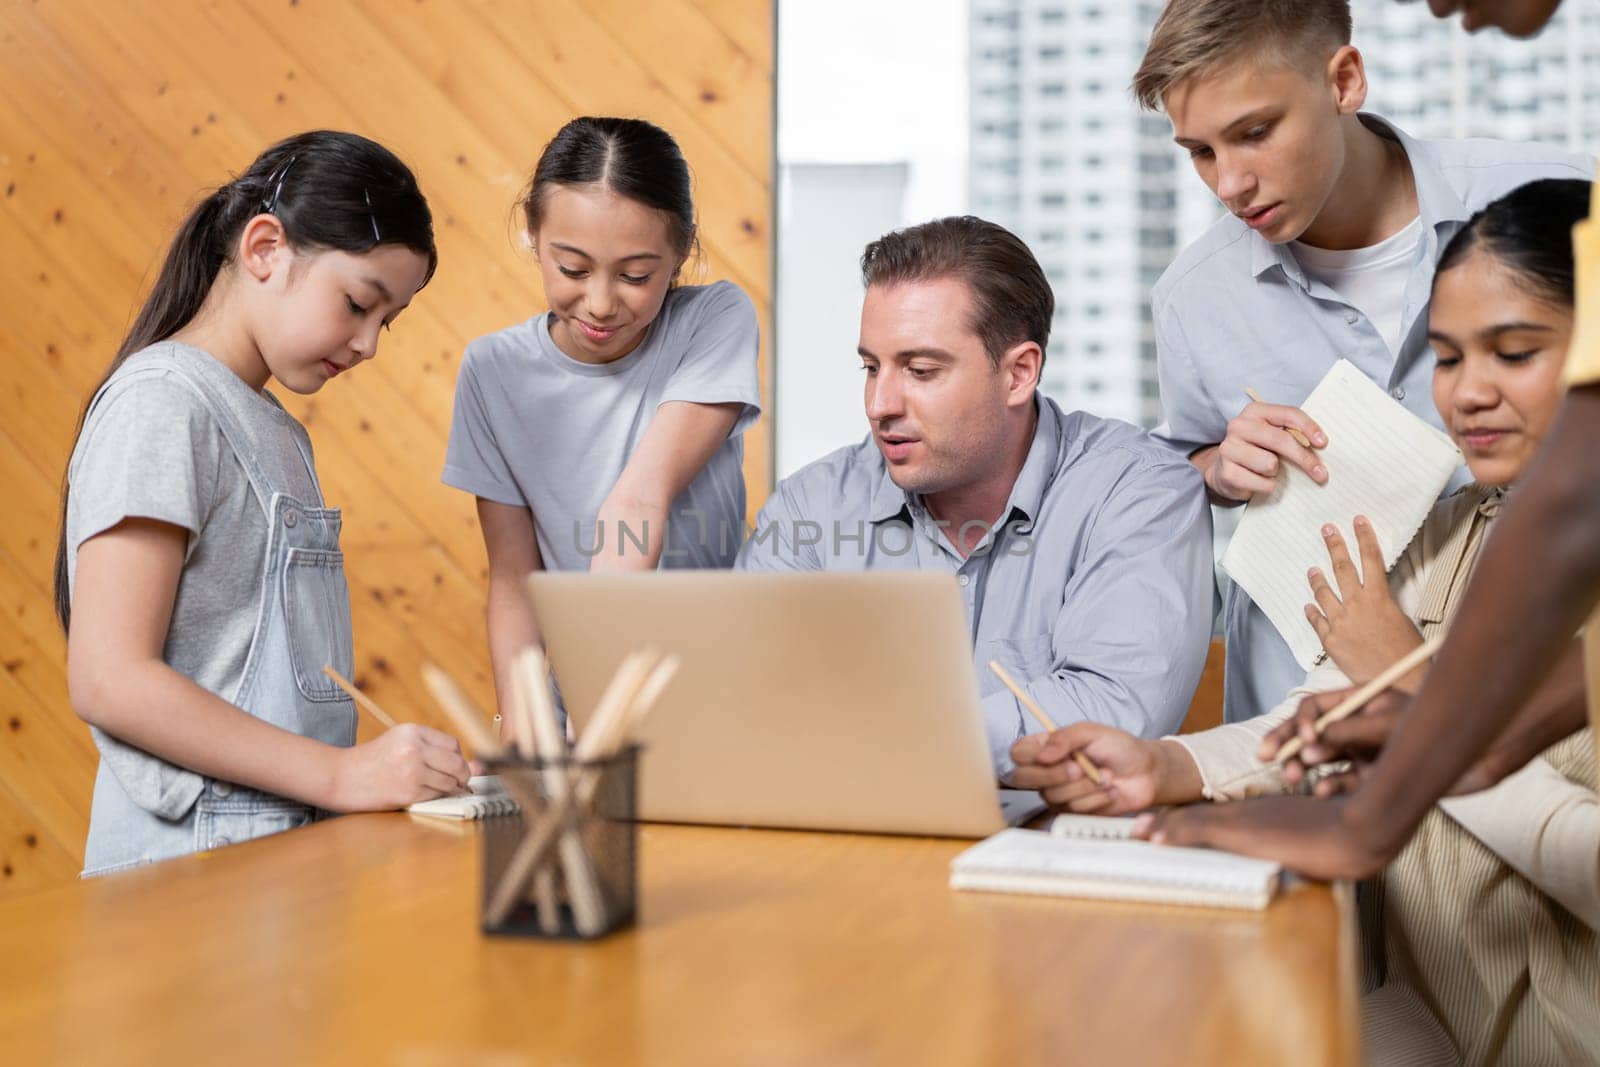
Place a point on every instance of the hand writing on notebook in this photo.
(402, 766)
(1135, 773)
(1361, 627)
(1258, 439)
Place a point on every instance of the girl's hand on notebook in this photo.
(1258, 442)
(401, 766)
(1134, 773)
(1361, 626)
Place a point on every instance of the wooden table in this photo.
(356, 941)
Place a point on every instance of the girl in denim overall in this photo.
(198, 575)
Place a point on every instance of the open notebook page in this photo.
(1027, 861)
(1383, 462)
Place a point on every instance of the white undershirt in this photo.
(1372, 280)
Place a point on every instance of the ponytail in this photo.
(330, 190)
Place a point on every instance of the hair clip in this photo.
(270, 204)
(377, 238)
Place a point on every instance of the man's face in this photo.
(936, 402)
(1266, 139)
(1519, 18)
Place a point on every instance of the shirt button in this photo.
(291, 517)
(1398, 392)
(963, 580)
(1351, 317)
(221, 842)
(221, 789)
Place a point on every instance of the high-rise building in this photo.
(1061, 154)
(1439, 82)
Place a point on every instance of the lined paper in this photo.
(1383, 462)
(1027, 861)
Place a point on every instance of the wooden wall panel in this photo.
(120, 115)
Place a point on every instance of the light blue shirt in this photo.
(1094, 591)
(1235, 310)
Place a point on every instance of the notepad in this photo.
(1383, 462)
(1093, 827)
(488, 797)
(1034, 862)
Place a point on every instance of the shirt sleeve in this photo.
(1189, 419)
(1131, 637)
(720, 363)
(1226, 754)
(151, 449)
(1544, 826)
(474, 461)
(781, 540)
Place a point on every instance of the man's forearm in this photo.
(1534, 586)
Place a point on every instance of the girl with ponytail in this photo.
(198, 574)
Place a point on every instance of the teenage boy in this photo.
(1082, 547)
(1515, 621)
(1335, 218)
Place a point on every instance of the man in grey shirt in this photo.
(1081, 546)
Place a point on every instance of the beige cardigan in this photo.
(1480, 939)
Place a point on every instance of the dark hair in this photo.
(1528, 230)
(1011, 298)
(630, 157)
(330, 190)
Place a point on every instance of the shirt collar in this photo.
(1438, 202)
(889, 501)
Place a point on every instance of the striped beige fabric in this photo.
(1467, 961)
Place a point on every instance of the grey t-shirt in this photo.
(152, 448)
(536, 428)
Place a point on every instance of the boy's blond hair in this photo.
(1195, 36)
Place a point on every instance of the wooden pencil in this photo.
(1344, 709)
(1301, 439)
(362, 700)
(462, 713)
(1355, 701)
(1089, 769)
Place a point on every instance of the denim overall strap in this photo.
(302, 623)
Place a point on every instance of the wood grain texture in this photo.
(356, 941)
(119, 116)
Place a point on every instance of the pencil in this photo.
(462, 713)
(1088, 768)
(1301, 439)
(1355, 701)
(361, 699)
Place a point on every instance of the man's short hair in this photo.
(1011, 298)
(1195, 36)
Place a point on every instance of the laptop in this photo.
(804, 701)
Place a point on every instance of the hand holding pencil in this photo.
(407, 763)
(1256, 444)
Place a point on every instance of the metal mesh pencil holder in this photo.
(566, 867)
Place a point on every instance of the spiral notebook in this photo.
(1068, 865)
(488, 797)
(1370, 437)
